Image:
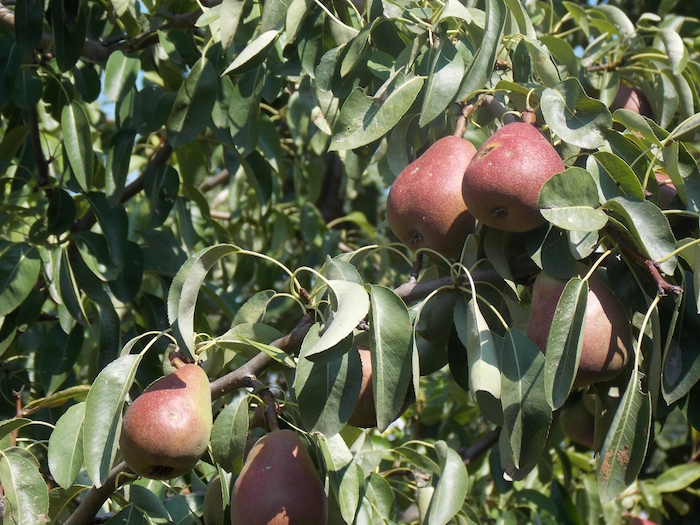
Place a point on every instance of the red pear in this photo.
(607, 337)
(503, 181)
(167, 428)
(365, 415)
(425, 208)
(631, 98)
(278, 485)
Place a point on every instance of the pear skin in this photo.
(578, 424)
(631, 98)
(424, 207)
(278, 485)
(167, 428)
(365, 415)
(503, 181)
(607, 337)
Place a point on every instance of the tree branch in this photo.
(95, 498)
(480, 448)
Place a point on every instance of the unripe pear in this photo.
(167, 428)
(503, 181)
(425, 208)
(607, 337)
(278, 485)
(578, 424)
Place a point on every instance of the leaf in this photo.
(649, 227)
(66, 446)
(482, 357)
(564, 342)
(229, 434)
(625, 445)
(182, 296)
(161, 185)
(68, 287)
(230, 17)
(130, 515)
(56, 399)
(574, 116)
(569, 200)
(380, 494)
(61, 212)
(678, 477)
(526, 413)
(117, 168)
(10, 425)
(327, 391)
(77, 140)
(342, 474)
(254, 53)
(350, 305)
(19, 269)
(26, 493)
(69, 32)
(28, 89)
(365, 119)
(113, 222)
(623, 179)
(675, 49)
(451, 488)
(128, 283)
(444, 78)
(244, 111)
(480, 69)
(120, 75)
(391, 351)
(103, 411)
(195, 99)
(29, 22)
(686, 130)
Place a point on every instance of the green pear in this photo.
(503, 181)
(424, 207)
(167, 428)
(578, 423)
(607, 337)
(278, 485)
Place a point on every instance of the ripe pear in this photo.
(631, 98)
(167, 428)
(278, 485)
(503, 181)
(667, 190)
(607, 337)
(578, 424)
(365, 415)
(425, 208)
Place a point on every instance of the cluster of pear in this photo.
(434, 202)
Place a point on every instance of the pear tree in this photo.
(349, 262)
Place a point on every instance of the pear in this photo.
(167, 428)
(365, 415)
(578, 423)
(631, 98)
(278, 485)
(503, 181)
(425, 208)
(667, 190)
(607, 337)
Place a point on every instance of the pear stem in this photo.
(177, 362)
(271, 409)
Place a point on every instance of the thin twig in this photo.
(478, 449)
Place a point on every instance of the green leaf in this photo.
(229, 434)
(482, 357)
(120, 75)
(365, 119)
(69, 32)
(57, 399)
(327, 391)
(574, 116)
(380, 494)
(451, 488)
(19, 269)
(480, 69)
(10, 425)
(103, 411)
(686, 130)
(68, 288)
(620, 180)
(117, 168)
(625, 445)
(564, 342)
(445, 75)
(678, 477)
(182, 296)
(254, 53)
(230, 17)
(675, 49)
(29, 23)
(244, 111)
(649, 227)
(26, 493)
(61, 212)
(350, 305)
(113, 222)
(526, 413)
(95, 253)
(391, 351)
(10, 143)
(161, 185)
(28, 89)
(569, 200)
(77, 140)
(195, 99)
(130, 515)
(66, 446)
(343, 474)
(128, 283)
